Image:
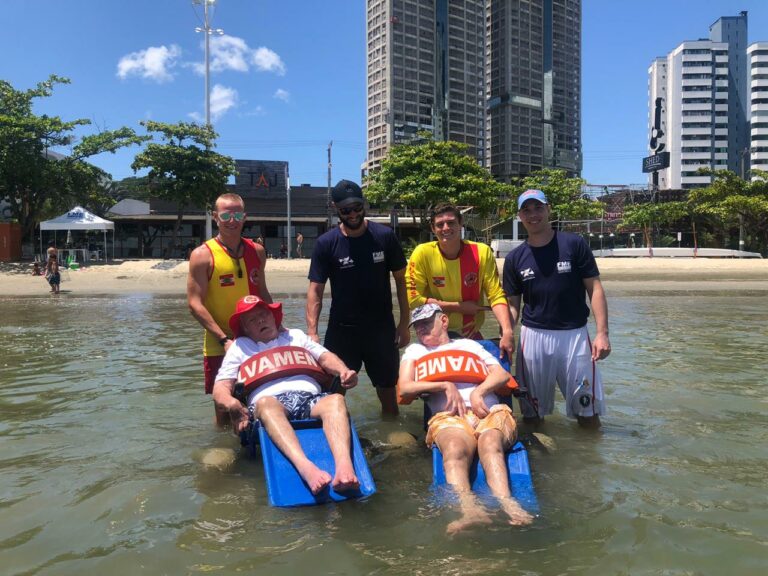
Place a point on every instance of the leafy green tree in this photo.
(35, 180)
(647, 214)
(564, 194)
(730, 202)
(183, 169)
(419, 176)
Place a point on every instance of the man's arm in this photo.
(313, 307)
(507, 342)
(334, 365)
(514, 308)
(496, 380)
(403, 330)
(411, 389)
(197, 288)
(225, 401)
(263, 290)
(601, 345)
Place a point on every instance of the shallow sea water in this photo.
(103, 425)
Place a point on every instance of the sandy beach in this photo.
(290, 276)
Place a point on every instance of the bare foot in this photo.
(317, 480)
(517, 516)
(345, 480)
(468, 520)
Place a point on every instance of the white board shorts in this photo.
(563, 356)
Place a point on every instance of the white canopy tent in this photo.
(80, 219)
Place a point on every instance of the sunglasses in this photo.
(227, 216)
(349, 209)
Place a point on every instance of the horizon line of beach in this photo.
(289, 276)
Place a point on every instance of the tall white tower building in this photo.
(758, 83)
(697, 105)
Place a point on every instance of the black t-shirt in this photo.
(359, 270)
(551, 281)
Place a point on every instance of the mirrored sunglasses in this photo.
(347, 210)
(227, 216)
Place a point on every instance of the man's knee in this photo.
(332, 405)
(490, 442)
(267, 406)
(454, 446)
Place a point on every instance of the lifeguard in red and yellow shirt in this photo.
(459, 276)
(221, 271)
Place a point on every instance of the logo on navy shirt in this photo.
(564, 267)
(527, 274)
(378, 256)
(346, 262)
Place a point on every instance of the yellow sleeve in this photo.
(416, 279)
(490, 275)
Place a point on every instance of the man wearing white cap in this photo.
(553, 273)
(462, 380)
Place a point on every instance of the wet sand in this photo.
(290, 276)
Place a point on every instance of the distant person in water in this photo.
(284, 367)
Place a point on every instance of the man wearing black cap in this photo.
(358, 257)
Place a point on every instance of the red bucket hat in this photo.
(248, 303)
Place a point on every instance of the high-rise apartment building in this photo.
(443, 65)
(758, 68)
(697, 98)
(533, 86)
(425, 72)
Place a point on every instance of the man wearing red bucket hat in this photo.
(281, 372)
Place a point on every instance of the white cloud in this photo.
(281, 94)
(222, 100)
(233, 53)
(258, 111)
(266, 60)
(229, 53)
(153, 63)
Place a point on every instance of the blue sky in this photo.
(288, 77)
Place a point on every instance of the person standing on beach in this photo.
(221, 271)
(299, 243)
(553, 273)
(459, 276)
(358, 257)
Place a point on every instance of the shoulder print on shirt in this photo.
(527, 274)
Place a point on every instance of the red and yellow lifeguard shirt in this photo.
(225, 288)
(471, 276)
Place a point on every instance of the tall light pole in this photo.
(207, 30)
(328, 195)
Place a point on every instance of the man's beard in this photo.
(354, 225)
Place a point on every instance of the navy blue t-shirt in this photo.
(550, 280)
(359, 270)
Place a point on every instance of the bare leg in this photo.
(332, 410)
(388, 399)
(491, 452)
(274, 419)
(458, 449)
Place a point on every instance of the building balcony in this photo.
(721, 156)
(721, 107)
(694, 131)
(721, 132)
(695, 179)
(758, 58)
(697, 107)
(758, 131)
(697, 81)
(758, 108)
(761, 83)
(703, 156)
